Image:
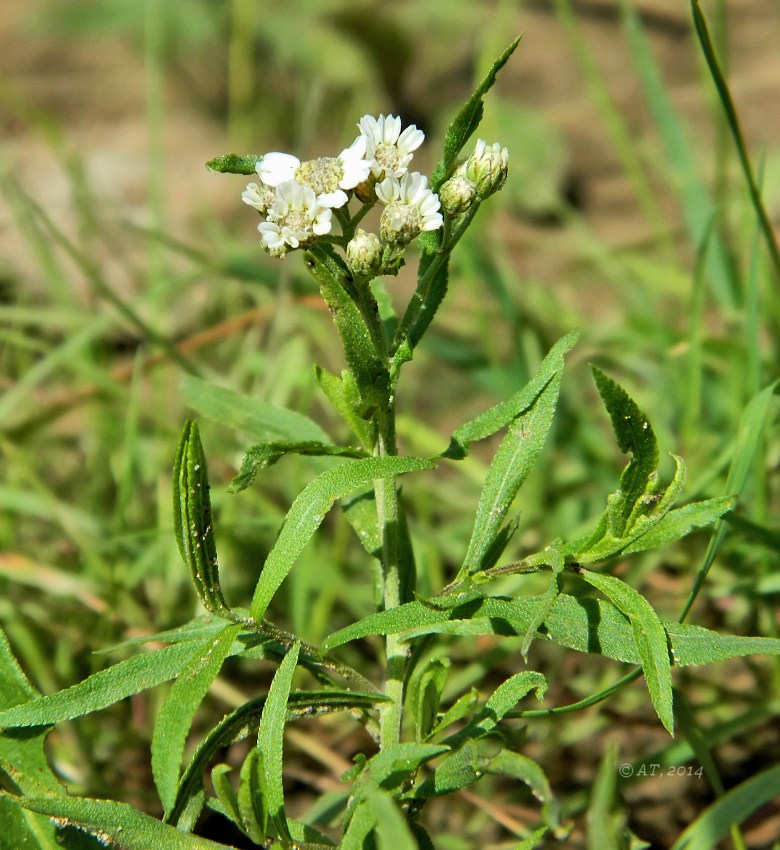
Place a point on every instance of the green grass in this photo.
(91, 368)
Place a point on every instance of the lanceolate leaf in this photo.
(103, 688)
(502, 414)
(261, 420)
(467, 121)
(650, 638)
(512, 462)
(508, 763)
(309, 509)
(267, 454)
(192, 520)
(458, 770)
(635, 437)
(246, 719)
(178, 710)
(117, 824)
(269, 740)
(678, 523)
(585, 624)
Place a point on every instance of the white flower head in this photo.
(410, 208)
(487, 168)
(260, 197)
(329, 177)
(387, 148)
(295, 218)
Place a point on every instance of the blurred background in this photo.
(125, 264)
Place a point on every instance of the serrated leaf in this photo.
(650, 509)
(677, 523)
(117, 824)
(527, 771)
(261, 420)
(234, 163)
(264, 455)
(502, 414)
(732, 808)
(510, 466)
(270, 737)
(103, 688)
(391, 767)
(192, 519)
(177, 712)
(458, 770)
(252, 797)
(309, 509)
(501, 701)
(467, 120)
(635, 437)
(651, 641)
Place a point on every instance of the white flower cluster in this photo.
(297, 198)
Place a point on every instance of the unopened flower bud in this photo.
(457, 195)
(486, 168)
(364, 253)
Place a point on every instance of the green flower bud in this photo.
(487, 168)
(364, 253)
(457, 195)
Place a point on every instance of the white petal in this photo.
(276, 168)
(333, 200)
(388, 190)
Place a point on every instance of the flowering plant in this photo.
(426, 737)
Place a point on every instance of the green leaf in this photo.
(518, 766)
(464, 706)
(264, 455)
(359, 825)
(370, 373)
(677, 523)
(225, 792)
(510, 466)
(651, 641)
(22, 830)
(234, 163)
(22, 754)
(344, 395)
(502, 414)
(309, 509)
(467, 121)
(178, 710)
(501, 701)
(733, 807)
(270, 737)
(262, 420)
(103, 688)
(245, 719)
(458, 770)
(635, 437)
(253, 796)
(117, 824)
(533, 839)
(192, 519)
(425, 695)
(392, 828)
(391, 767)
(584, 624)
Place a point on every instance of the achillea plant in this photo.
(426, 745)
